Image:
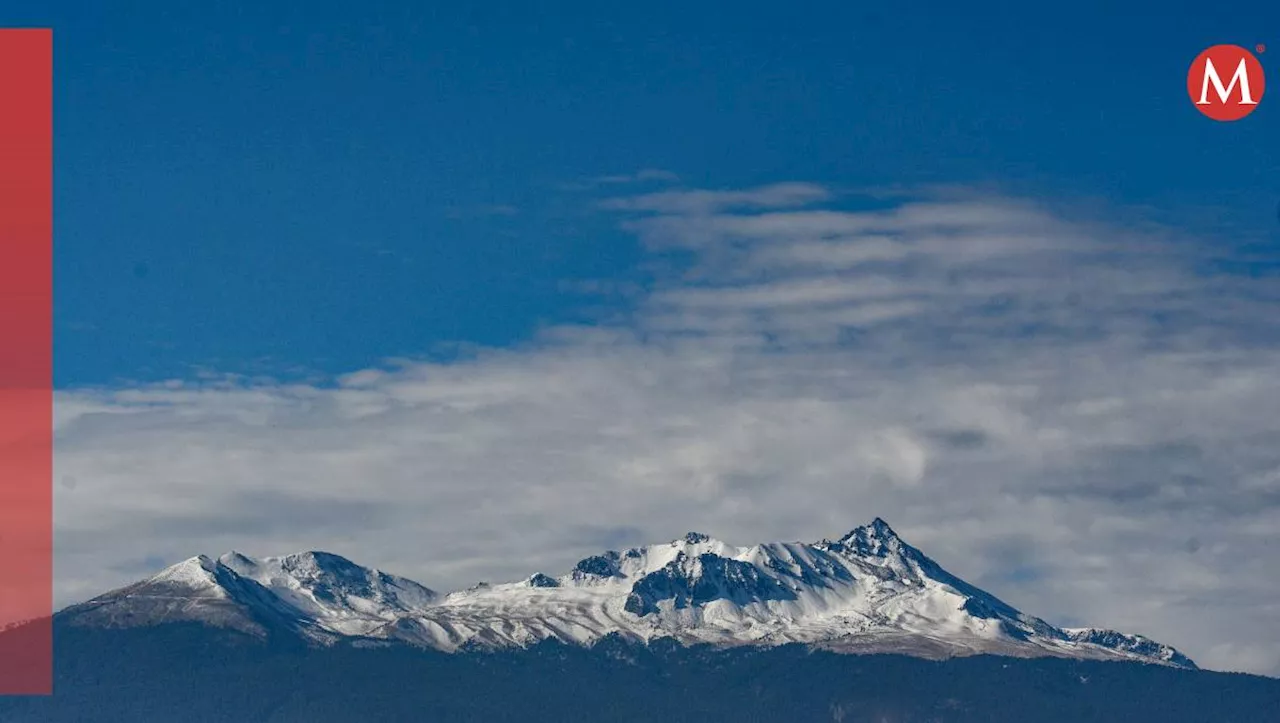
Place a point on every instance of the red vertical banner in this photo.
(26, 361)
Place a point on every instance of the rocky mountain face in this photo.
(868, 592)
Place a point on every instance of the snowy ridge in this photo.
(869, 591)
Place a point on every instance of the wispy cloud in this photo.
(643, 176)
(483, 211)
(1074, 414)
(780, 195)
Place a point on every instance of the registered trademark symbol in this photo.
(1260, 47)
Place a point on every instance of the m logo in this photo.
(1226, 82)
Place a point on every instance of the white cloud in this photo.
(778, 195)
(1070, 415)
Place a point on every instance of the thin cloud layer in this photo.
(1075, 416)
(779, 195)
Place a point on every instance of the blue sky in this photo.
(316, 186)
(762, 271)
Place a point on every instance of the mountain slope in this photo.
(200, 674)
(868, 592)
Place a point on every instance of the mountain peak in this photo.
(233, 559)
(193, 570)
(877, 529)
(882, 527)
(876, 539)
(318, 562)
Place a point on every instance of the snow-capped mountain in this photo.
(868, 592)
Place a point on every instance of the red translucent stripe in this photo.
(26, 361)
